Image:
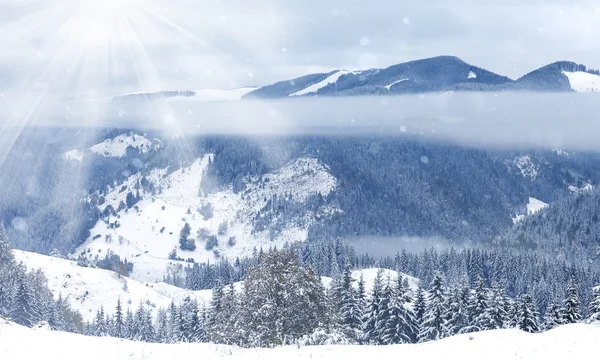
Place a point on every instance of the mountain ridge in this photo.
(435, 74)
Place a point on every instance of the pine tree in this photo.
(457, 318)
(527, 315)
(432, 327)
(7, 270)
(23, 304)
(383, 315)
(479, 318)
(497, 310)
(119, 323)
(400, 327)
(571, 305)
(419, 307)
(350, 310)
(370, 330)
(57, 317)
(553, 317)
(594, 306)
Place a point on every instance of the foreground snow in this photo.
(576, 341)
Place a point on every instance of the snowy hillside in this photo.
(89, 289)
(148, 232)
(582, 81)
(533, 206)
(575, 341)
(332, 79)
(117, 146)
(369, 276)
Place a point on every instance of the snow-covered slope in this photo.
(88, 289)
(332, 79)
(582, 81)
(533, 206)
(575, 341)
(74, 155)
(369, 276)
(146, 234)
(116, 147)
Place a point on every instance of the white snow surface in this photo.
(395, 82)
(74, 155)
(472, 75)
(579, 190)
(574, 341)
(141, 239)
(89, 289)
(117, 146)
(582, 81)
(533, 206)
(331, 79)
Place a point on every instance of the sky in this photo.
(88, 48)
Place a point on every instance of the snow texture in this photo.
(89, 289)
(394, 83)
(533, 206)
(149, 232)
(74, 155)
(331, 79)
(526, 166)
(472, 75)
(582, 81)
(117, 146)
(574, 341)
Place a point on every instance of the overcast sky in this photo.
(107, 47)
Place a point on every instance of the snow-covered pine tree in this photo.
(7, 270)
(23, 303)
(119, 322)
(527, 315)
(571, 304)
(479, 318)
(432, 327)
(498, 307)
(594, 306)
(351, 312)
(370, 330)
(419, 307)
(457, 318)
(162, 326)
(57, 317)
(400, 327)
(130, 326)
(553, 317)
(384, 314)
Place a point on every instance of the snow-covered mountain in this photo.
(575, 341)
(201, 95)
(116, 146)
(149, 231)
(438, 74)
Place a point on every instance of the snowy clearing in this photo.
(117, 147)
(533, 206)
(472, 75)
(575, 341)
(395, 82)
(582, 81)
(331, 79)
(74, 155)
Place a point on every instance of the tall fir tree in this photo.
(527, 315)
(119, 321)
(432, 327)
(594, 306)
(370, 328)
(571, 304)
